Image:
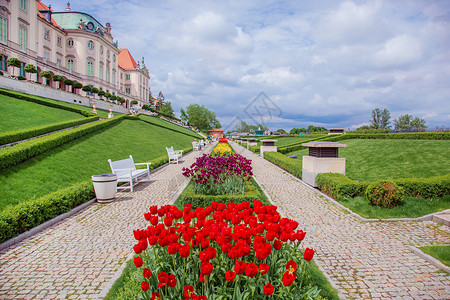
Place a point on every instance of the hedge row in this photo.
(17, 219)
(252, 192)
(46, 102)
(339, 137)
(163, 114)
(19, 135)
(338, 185)
(14, 155)
(293, 166)
(194, 135)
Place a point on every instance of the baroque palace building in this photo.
(72, 44)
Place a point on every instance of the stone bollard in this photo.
(268, 146)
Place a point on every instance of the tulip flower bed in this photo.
(232, 251)
(223, 147)
(217, 174)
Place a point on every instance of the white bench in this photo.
(126, 171)
(174, 156)
(195, 146)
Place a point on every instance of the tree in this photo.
(281, 131)
(201, 117)
(408, 123)
(31, 69)
(47, 75)
(69, 82)
(244, 127)
(59, 79)
(298, 130)
(167, 109)
(101, 93)
(13, 62)
(380, 118)
(161, 100)
(77, 85)
(86, 89)
(183, 116)
(312, 128)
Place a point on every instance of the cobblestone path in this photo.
(365, 260)
(77, 257)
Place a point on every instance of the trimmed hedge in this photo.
(18, 135)
(293, 166)
(14, 155)
(17, 219)
(252, 192)
(338, 185)
(46, 102)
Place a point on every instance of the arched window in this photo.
(113, 77)
(70, 64)
(90, 68)
(101, 49)
(70, 42)
(100, 71)
(107, 75)
(107, 54)
(114, 58)
(91, 45)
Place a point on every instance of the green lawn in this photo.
(288, 140)
(441, 253)
(409, 208)
(369, 160)
(19, 114)
(78, 160)
(170, 125)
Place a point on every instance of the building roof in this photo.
(43, 7)
(217, 129)
(126, 61)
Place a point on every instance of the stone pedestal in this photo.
(268, 146)
(322, 158)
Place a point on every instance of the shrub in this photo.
(77, 85)
(17, 219)
(86, 88)
(95, 90)
(134, 102)
(18, 135)
(108, 95)
(293, 166)
(384, 193)
(426, 187)
(37, 82)
(57, 78)
(14, 155)
(21, 78)
(46, 74)
(338, 185)
(101, 93)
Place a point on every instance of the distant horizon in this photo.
(324, 63)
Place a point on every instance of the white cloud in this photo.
(400, 51)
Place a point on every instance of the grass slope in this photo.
(19, 114)
(441, 253)
(369, 160)
(287, 140)
(167, 124)
(78, 160)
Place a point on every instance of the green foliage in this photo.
(17, 219)
(244, 127)
(167, 109)
(69, 82)
(380, 119)
(281, 130)
(18, 135)
(21, 78)
(108, 95)
(101, 93)
(338, 185)
(14, 155)
(29, 68)
(46, 74)
(77, 85)
(426, 188)
(95, 90)
(440, 252)
(167, 125)
(407, 122)
(1, 73)
(293, 166)
(134, 102)
(201, 117)
(58, 78)
(384, 193)
(14, 62)
(369, 130)
(113, 97)
(86, 88)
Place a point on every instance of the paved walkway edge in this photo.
(435, 262)
(50, 223)
(319, 265)
(428, 217)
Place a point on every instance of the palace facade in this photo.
(71, 44)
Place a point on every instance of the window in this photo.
(127, 76)
(113, 77)
(23, 4)
(91, 45)
(3, 65)
(121, 75)
(107, 74)
(58, 62)
(100, 72)
(127, 90)
(23, 39)
(46, 34)
(107, 54)
(90, 68)
(59, 41)
(70, 42)
(101, 49)
(47, 55)
(3, 30)
(22, 69)
(70, 64)
(114, 58)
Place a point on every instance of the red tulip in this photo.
(172, 280)
(147, 273)
(268, 289)
(138, 262)
(229, 276)
(288, 278)
(206, 268)
(308, 255)
(145, 286)
(239, 267)
(263, 268)
(188, 291)
(184, 251)
(251, 270)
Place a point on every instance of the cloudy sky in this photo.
(290, 63)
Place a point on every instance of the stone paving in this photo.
(364, 260)
(76, 258)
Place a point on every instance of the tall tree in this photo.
(183, 116)
(380, 118)
(30, 69)
(201, 117)
(244, 127)
(167, 109)
(13, 62)
(407, 122)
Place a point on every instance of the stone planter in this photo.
(105, 186)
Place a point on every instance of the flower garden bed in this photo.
(227, 249)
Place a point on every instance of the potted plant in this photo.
(31, 69)
(13, 62)
(59, 79)
(47, 75)
(76, 86)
